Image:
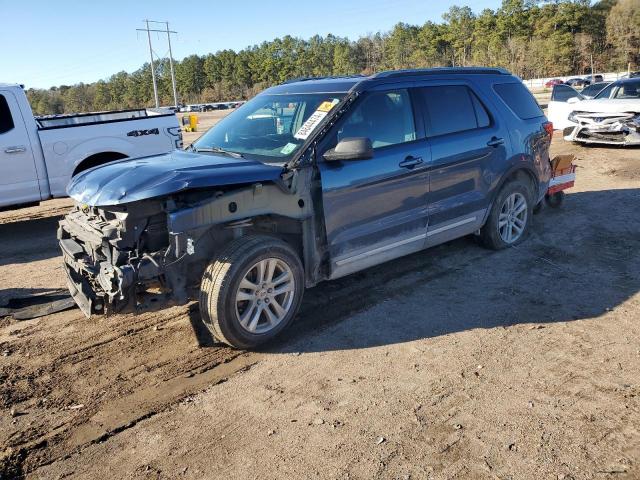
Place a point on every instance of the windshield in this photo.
(270, 128)
(621, 90)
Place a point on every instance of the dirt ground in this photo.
(206, 120)
(456, 362)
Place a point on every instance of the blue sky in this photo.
(56, 42)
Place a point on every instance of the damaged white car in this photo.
(612, 117)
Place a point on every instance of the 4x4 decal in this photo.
(140, 133)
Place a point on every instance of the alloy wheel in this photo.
(265, 295)
(513, 218)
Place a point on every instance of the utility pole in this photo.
(173, 75)
(153, 69)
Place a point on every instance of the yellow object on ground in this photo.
(190, 123)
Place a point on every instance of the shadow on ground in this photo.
(579, 262)
(30, 240)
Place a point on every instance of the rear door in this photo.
(18, 176)
(468, 145)
(560, 107)
(376, 209)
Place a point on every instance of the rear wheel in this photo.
(555, 199)
(510, 218)
(251, 291)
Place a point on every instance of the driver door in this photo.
(376, 209)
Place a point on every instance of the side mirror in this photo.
(354, 148)
(573, 100)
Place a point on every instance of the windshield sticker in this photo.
(288, 148)
(326, 106)
(314, 120)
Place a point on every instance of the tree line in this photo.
(531, 38)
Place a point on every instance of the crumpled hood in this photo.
(130, 180)
(607, 105)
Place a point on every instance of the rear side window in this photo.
(519, 99)
(6, 121)
(452, 108)
(562, 93)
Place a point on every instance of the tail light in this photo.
(548, 127)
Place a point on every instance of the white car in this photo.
(612, 117)
(38, 156)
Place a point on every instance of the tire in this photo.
(492, 235)
(538, 208)
(555, 200)
(229, 309)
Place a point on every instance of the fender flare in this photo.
(524, 165)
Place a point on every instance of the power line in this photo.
(151, 54)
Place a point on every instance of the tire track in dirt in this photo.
(138, 376)
(100, 377)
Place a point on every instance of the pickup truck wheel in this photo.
(510, 218)
(251, 291)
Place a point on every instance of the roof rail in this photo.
(443, 71)
(328, 77)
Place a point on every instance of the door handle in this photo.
(17, 149)
(410, 162)
(495, 142)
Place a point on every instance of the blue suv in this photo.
(309, 181)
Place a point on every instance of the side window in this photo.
(386, 118)
(452, 108)
(481, 113)
(519, 99)
(629, 90)
(606, 92)
(6, 121)
(562, 93)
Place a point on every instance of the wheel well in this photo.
(524, 175)
(285, 228)
(97, 159)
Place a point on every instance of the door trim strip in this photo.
(384, 248)
(451, 225)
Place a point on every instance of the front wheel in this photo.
(510, 217)
(251, 291)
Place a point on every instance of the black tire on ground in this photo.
(554, 200)
(539, 207)
(221, 281)
(489, 233)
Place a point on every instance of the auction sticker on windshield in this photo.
(314, 120)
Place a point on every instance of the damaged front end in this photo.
(110, 256)
(152, 253)
(604, 128)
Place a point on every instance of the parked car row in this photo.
(580, 82)
(208, 107)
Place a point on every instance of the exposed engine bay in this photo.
(108, 252)
(122, 258)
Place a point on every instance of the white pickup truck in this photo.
(38, 156)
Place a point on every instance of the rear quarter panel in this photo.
(529, 142)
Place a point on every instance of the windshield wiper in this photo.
(217, 150)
